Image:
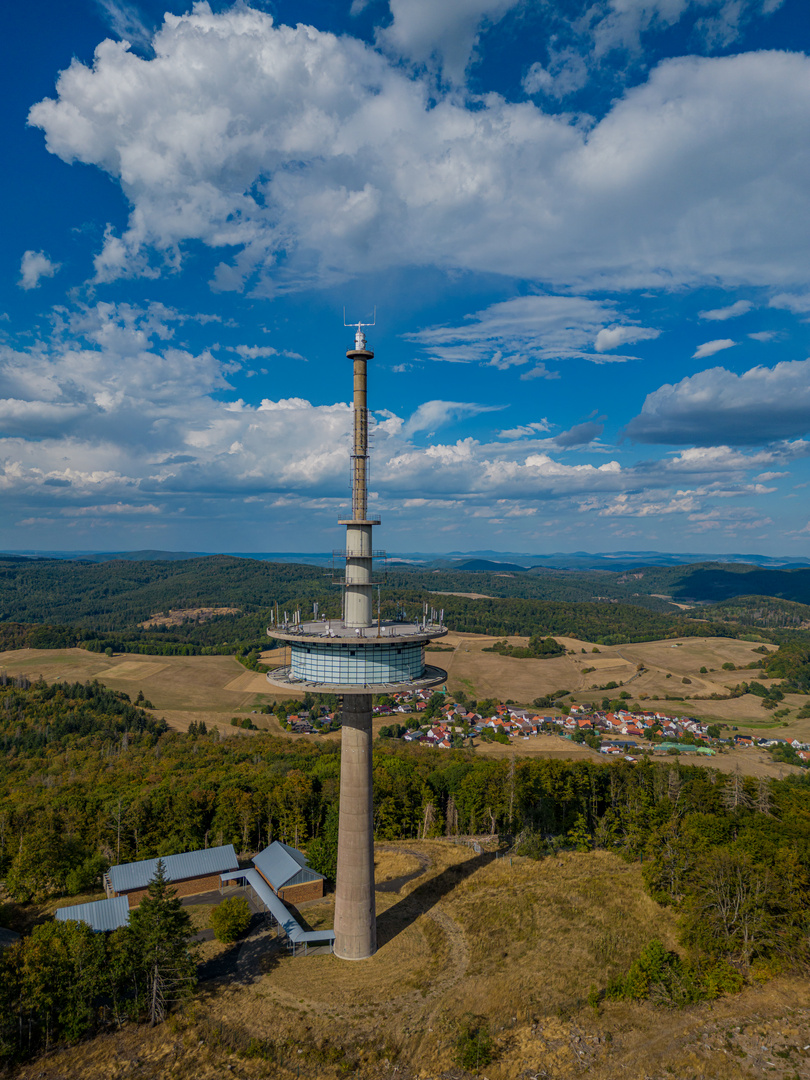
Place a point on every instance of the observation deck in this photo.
(328, 657)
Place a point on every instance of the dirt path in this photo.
(459, 954)
(398, 883)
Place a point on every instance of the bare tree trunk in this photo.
(512, 793)
(157, 1004)
(429, 820)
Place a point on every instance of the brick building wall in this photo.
(188, 887)
(297, 894)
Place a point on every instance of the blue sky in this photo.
(585, 227)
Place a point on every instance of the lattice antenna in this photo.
(359, 336)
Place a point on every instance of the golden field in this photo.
(216, 688)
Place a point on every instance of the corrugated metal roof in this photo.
(99, 915)
(189, 864)
(280, 863)
(299, 856)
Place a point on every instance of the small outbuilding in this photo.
(285, 870)
(190, 873)
(8, 937)
(99, 915)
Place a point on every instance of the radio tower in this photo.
(357, 658)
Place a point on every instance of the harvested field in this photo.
(215, 688)
(665, 663)
(181, 688)
(515, 942)
(178, 616)
(466, 595)
(750, 762)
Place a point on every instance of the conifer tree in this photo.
(161, 934)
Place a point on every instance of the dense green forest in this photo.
(716, 583)
(119, 594)
(53, 604)
(63, 981)
(760, 611)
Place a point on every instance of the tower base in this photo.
(355, 910)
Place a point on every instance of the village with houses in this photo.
(436, 719)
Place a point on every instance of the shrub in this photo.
(474, 1044)
(664, 977)
(230, 918)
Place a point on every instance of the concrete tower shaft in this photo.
(355, 906)
(358, 610)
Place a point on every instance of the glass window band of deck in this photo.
(352, 662)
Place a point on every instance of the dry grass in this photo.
(394, 864)
(516, 942)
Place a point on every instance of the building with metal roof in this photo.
(100, 915)
(190, 872)
(285, 870)
(7, 937)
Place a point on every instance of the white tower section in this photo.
(359, 548)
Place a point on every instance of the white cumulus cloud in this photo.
(425, 31)
(709, 348)
(717, 407)
(739, 307)
(305, 153)
(611, 337)
(433, 414)
(798, 303)
(34, 266)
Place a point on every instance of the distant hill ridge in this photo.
(472, 561)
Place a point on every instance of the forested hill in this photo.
(106, 602)
(714, 582)
(644, 585)
(115, 595)
(760, 611)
